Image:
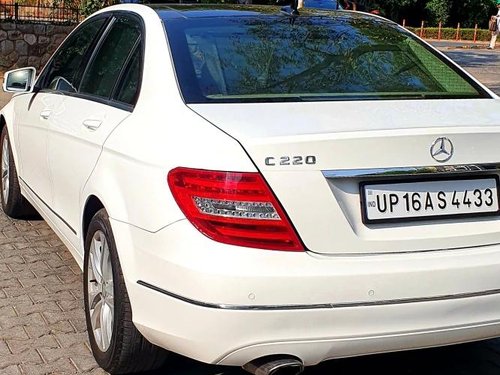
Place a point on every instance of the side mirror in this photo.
(19, 80)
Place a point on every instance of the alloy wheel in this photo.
(100, 290)
(5, 170)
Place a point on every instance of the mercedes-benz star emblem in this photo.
(442, 149)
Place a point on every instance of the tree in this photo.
(470, 12)
(450, 12)
(396, 10)
(439, 11)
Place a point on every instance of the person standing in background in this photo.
(495, 22)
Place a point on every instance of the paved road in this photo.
(4, 98)
(42, 328)
(483, 64)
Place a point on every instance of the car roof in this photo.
(173, 11)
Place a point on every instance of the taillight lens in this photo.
(234, 208)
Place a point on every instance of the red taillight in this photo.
(234, 208)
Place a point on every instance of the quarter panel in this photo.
(131, 175)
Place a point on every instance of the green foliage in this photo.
(449, 33)
(450, 12)
(439, 10)
(90, 6)
(393, 9)
(470, 12)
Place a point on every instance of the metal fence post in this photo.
(16, 12)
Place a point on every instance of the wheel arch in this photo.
(3, 122)
(92, 205)
(7, 120)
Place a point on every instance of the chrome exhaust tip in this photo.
(275, 365)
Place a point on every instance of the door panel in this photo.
(74, 148)
(82, 122)
(34, 113)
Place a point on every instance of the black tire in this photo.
(128, 350)
(14, 204)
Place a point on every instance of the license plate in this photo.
(430, 199)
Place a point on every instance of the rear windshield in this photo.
(307, 58)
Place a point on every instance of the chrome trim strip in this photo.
(317, 306)
(406, 171)
(46, 205)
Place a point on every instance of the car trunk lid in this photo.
(316, 156)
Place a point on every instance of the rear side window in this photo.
(64, 70)
(104, 71)
(313, 58)
(128, 88)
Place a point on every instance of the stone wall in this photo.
(27, 44)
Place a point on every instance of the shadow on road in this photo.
(475, 59)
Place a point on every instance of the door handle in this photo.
(92, 124)
(45, 114)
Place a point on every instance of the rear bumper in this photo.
(235, 337)
(228, 305)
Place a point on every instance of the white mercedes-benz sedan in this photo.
(260, 186)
